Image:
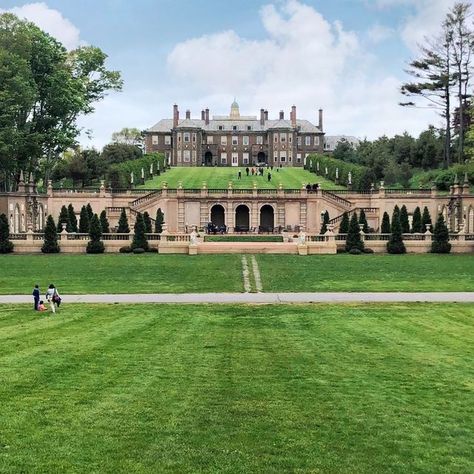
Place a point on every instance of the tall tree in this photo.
(344, 225)
(128, 136)
(363, 221)
(104, 222)
(425, 220)
(63, 219)
(6, 246)
(50, 243)
(395, 245)
(72, 218)
(353, 239)
(95, 245)
(139, 236)
(159, 221)
(123, 227)
(434, 79)
(89, 210)
(147, 222)
(460, 28)
(385, 227)
(416, 224)
(324, 225)
(43, 90)
(84, 222)
(440, 242)
(404, 221)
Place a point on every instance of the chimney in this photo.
(203, 115)
(320, 120)
(293, 116)
(207, 117)
(262, 117)
(266, 115)
(282, 115)
(175, 116)
(188, 114)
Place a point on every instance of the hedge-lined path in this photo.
(259, 298)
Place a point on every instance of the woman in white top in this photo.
(52, 296)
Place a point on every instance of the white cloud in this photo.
(303, 60)
(379, 33)
(51, 21)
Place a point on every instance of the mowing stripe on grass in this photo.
(256, 275)
(245, 275)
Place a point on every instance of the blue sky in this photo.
(346, 56)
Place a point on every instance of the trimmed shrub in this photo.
(355, 251)
(138, 250)
(72, 219)
(123, 227)
(363, 221)
(63, 219)
(104, 222)
(139, 237)
(6, 246)
(416, 224)
(385, 228)
(50, 244)
(147, 222)
(344, 225)
(84, 222)
(367, 250)
(404, 222)
(324, 226)
(425, 220)
(95, 245)
(90, 212)
(440, 242)
(395, 245)
(160, 220)
(126, 249)
(353, 240)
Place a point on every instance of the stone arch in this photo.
(217, 215)
(267, 218)
(261, 157)
(469, 227)
(242, 218)
(208, 158)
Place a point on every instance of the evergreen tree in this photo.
(395, 245)
(84, 221)
(385, 228)
(160, 219)
(72, 219)
(416, 225)
(440, 242)
(5, 245)
(147, 222)
(90, 212)
(139, 237)
(324, 226)
(63, 219)
(123, 227)
(353, 240)
(425, 220)
(50, 244)
(95, 245)
(344, 226)
(104, 223)
(363, 221)
(404, 222)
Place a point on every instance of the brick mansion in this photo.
(236, 140)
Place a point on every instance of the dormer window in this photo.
(221, 127)
(234, 127)
(249, 127)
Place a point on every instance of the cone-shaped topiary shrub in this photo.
(147, 222)
(104, 222)
(50, 244)
(425, 220)
(395, 245)
(90, 212)
(95, 245)
(385, 227)
(353, 240)
(440, 242)
(63, 219)
(84, 222)
(6, 246)
(324, 226)
(123, 227)
(404, 222)
(344, 226)
(416, 224)
(160, 219)
(139, 237)
(72, 219)
(363, 221)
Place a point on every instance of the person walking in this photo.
(36, 297)
(53, 298)
(269, 177)
(247, 170)
(239, 176)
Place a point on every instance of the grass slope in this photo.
(218, 178)
(121, 273)
(344, 272)
(237, 389)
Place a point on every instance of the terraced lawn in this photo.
(218, 178)
(237, 389)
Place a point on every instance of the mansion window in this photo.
(282, 157)
(245, 158)
(186, 156)
(298, 141)
(154, 139)
(245, 140)
(290, 138)
(249, 127)
(223, 158)
(186, 137)
(194, 138)
(210, 139)
(179, 137)
(167, 139)
(298, 157)
(307, 140)
(283, 137)
(235, 140)
(275, 138)
(194, 156)
(259, 140)
(224, 140)
(275, 158)
(179, 156)
(221, 127)
(316, 141)
(234, 127)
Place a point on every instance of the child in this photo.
(41, 306)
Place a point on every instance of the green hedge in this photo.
(243, 238)
(444, 178)
(359, 173)
(118, 175)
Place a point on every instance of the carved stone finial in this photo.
(22, 180)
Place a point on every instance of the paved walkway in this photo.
(438, 297)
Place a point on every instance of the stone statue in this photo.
(302, 238)
(349, 178)
(193, 238)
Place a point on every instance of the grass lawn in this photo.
(237, 389)
(367, 272)
(218, 178)
(121, 273)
